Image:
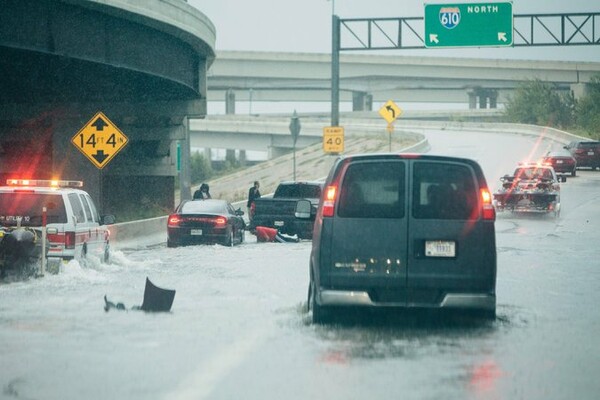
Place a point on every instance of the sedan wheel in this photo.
(229, 241)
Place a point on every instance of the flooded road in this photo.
(239, 327)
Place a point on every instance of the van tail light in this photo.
(329, 201)
(489, 212)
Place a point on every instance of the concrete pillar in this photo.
(242, 158)
(230, 156)
(482, 99)
(493, 96)
(579, 90)
(472, 99)
(369, 102)
(359, 101)
(229, 102)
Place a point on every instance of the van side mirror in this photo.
(303, 208)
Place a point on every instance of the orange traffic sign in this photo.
(333, 139)
(99, 140)
(390, 111)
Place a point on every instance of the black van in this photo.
(404, 230)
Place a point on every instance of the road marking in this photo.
(201, 383)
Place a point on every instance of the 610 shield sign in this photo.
(99, 140)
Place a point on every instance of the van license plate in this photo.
(278, 223)
(440, 248)
(195, 231)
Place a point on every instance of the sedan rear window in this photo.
(204, 206)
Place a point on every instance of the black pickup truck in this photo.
(279, 211)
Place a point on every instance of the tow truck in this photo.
(532, 188)
(53, 218)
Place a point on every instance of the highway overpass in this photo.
(142, 63)
(371, 78)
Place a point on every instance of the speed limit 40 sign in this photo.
(333, 139)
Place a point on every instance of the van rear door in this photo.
(369, 244)
(451, 248)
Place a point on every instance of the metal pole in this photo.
(44, 220)
(185, 179)
(294, 161)
(335, 71)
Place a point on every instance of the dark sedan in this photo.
(562, 161)
(205, 221)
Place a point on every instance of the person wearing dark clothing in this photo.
(202, 193)
(253, 194)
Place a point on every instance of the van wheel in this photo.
(320, 314)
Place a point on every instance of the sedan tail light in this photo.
(220, 222)
(174, 220)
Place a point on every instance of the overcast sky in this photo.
(305, 25)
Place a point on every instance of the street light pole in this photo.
(335, 70)
(295, 131)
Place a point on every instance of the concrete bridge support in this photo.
(36, 142)
(362, 101)
(484, 97)
(579, 90)
(229, 102)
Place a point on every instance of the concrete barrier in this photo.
(135, 234)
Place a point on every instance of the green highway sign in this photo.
(468, 25)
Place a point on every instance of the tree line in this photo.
(541, 103)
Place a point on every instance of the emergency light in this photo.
(44, 183)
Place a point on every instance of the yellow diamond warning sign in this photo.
(100, 140)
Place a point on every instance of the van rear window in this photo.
(444, 191)
(27, 206)
(373, 190)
